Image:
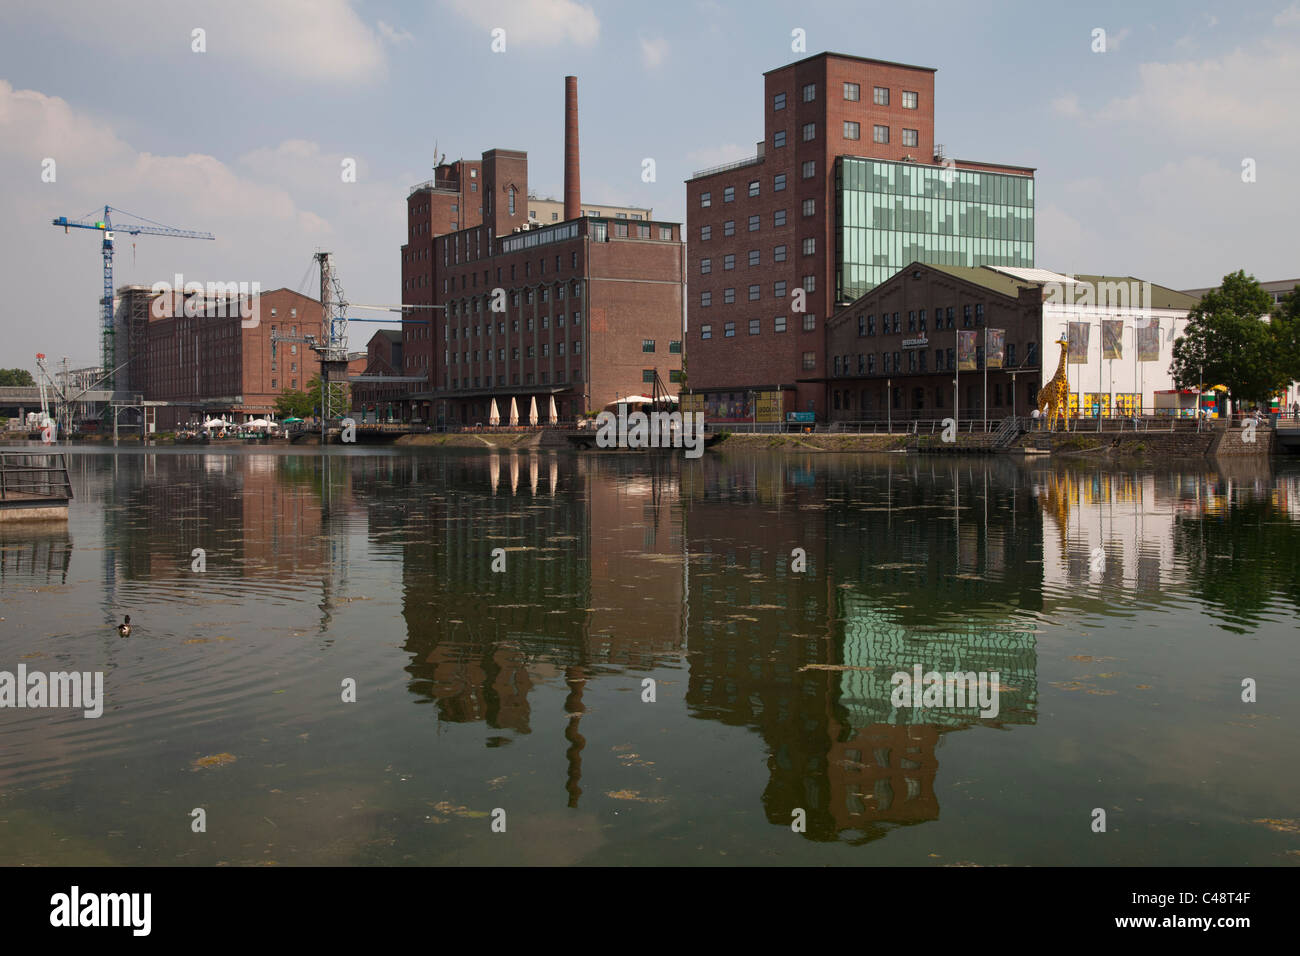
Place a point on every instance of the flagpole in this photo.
(956, 379)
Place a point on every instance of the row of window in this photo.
(778, 292)
(555, 216)
(450, 332)
(755, 257)
(486, 381)
(886, 363)
(489, 381)
(852, 130)
(918, 320)
(621, 232)
(852, 93)
(674, 346)
(530, 351)
(470, 280)
(756, 326)
(807, 170)
(779, 218)
(543, 293)
(974, 397)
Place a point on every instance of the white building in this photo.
(1124, 331)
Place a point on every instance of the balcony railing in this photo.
(751, 161)
(448, 184)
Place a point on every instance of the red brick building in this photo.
(371, 393)
(582, 311)
(209, 365)
(834, 201)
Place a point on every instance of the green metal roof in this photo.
(1162, 297)
(998, 282)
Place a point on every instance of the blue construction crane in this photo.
(108, 345)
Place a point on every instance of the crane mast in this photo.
(108, 338)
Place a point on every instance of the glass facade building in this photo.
(889, 214)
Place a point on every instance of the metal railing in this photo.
(28, 477)
(738, 164)
(448, 184)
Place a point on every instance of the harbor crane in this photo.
(145, 227)
(332, 345)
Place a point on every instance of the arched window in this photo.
(512, 200)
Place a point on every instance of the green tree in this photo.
(16, 377)
(1227, 343)
(293, 403)
(1284, 323)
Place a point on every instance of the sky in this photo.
(1169, 156)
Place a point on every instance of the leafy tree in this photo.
(1284, 323)
(293, 403)
(16, 377)
(1228, 344)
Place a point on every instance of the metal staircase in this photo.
(1006, 433)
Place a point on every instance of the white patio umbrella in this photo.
(258, 423)
(514, 411)
(554, 416)
(215, 423)
(532, 410)
(494, 415)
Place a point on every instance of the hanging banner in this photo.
(1112, 338)
(1148, 342)
(966, 351)
(1078, 340)
(996, 348)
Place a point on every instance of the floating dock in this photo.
(34, 487)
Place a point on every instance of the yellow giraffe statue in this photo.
(1055, 395)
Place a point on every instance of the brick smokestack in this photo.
(572, 190)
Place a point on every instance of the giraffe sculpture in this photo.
(1054, 397)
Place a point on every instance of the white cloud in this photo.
(322, 41)
(1067, 105)
(1241, 97)
(1290, 17)
(653, 51)
(270, 210)
(393, 35)
(533, 22)
(1144, 225)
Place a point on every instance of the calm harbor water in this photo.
(1122, 610)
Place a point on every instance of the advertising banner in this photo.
(1078, 339)
(996, 349)
(1112, 338)
(1148, 342)
(966, 351)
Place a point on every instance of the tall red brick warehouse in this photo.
(846, 188)
(579, 312)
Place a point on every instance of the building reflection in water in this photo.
(904, 562)
(573, 539)
(618, 564)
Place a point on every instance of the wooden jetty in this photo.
(34, 487)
